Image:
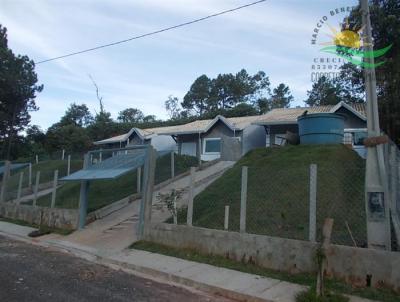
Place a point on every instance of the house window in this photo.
(212, 145)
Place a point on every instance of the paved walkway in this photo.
(215, 280)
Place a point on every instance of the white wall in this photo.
(163, 143)
(253, 137)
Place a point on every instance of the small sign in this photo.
(376, 205)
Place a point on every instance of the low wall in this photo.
(52, 217)
(294, 256)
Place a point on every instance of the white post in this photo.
(189, 217)
(37, 159)
(21, 179)
(226, 220)
(312, 235)
(69, 165)
(36, 188)
(139, 179)
(6, 175)
(243, 200)
(176, 214)
(53, 194)
(172, 164)
(101, 157)
(63, 155)
(30, 176)
(91, 159)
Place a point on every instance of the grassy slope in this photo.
(46, 169)
(104, 192)
(278, 193)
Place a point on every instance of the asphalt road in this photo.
(31, 273)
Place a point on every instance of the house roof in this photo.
(202, 126)
(142, 133)
(289, 115)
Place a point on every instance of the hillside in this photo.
(278, 193)
(104, 192)
(46, 169)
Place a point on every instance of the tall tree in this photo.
(198, 95)
(323, 92)
(18, 90)
(172, 107)
(130, 115)
(281, 97)
(78, 115)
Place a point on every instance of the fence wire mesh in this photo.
(278, 195)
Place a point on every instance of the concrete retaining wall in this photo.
(293, 256)
(52, 217)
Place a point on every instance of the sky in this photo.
(273, 36)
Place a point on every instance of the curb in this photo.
(140, 271)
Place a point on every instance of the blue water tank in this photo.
(321, 128)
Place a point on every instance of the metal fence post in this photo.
(83, 196)
(172, 164)
(63, 155)
(36, 189)
(189, 218)
(312, 236)
(147, 195)
(53, 194)
(139, 180)
(226, 218)
(21, 179)
(69, 165)
(6, 175)
(243, 200)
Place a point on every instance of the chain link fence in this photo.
(392, 165)
(282, 199)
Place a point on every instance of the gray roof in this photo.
(282, 116)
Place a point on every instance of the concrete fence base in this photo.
(51, 217)
(350, 264)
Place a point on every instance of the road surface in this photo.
(30, 273)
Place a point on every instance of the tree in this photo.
(172, 107)
(198, 95)
(130, 115)
(281, 97)
(68, 137)
(323, 92)
(242, 109)
(78, 115)
(351, 81)
(18, 90)
(150, 119)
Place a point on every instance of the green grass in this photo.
(310, 296)
(278, 193)
(104, 192)
(42, 228)
(331, 285)
(46, 169)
